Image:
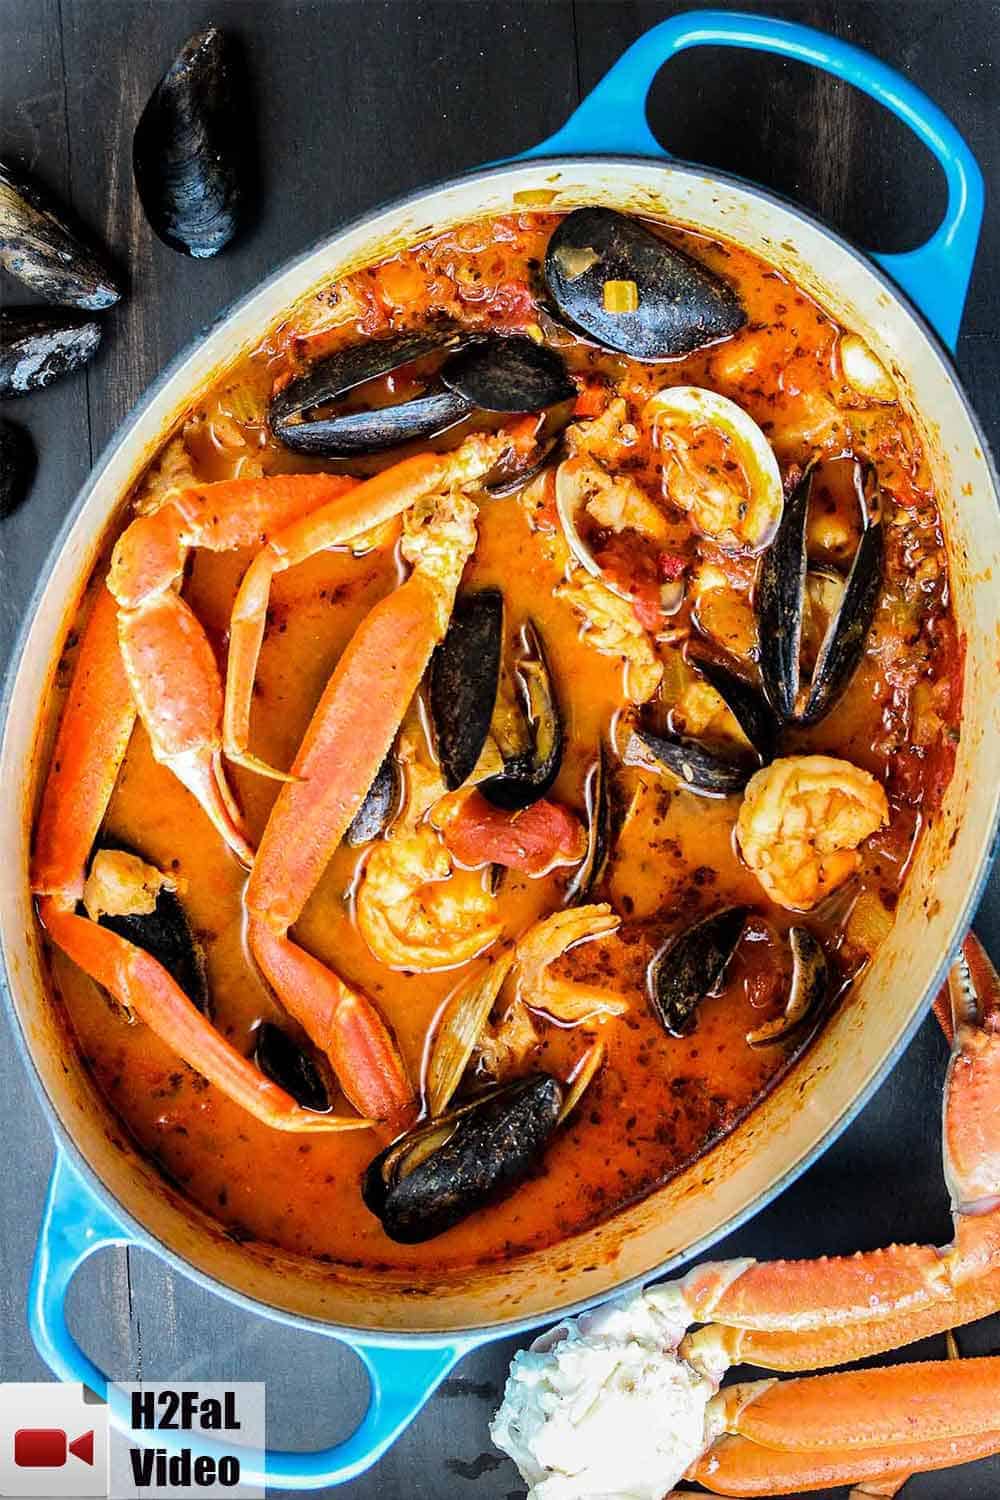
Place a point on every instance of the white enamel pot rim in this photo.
(748, 1169)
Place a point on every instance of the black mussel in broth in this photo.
(379, 807)
(508, 373)
(465, 672)
(291, 1068)
(192, 146)
(40, 249)
(339, 373)
(38, 345)
(620, 284)
(438, 1174)
(700, 769)
(780, 602)
(691, 966)
(138, 902)
(598, 803)
(808, 990)
(17, 465)
(747, 705)
(527, 775)
(355, 433)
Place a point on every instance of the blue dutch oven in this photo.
(908, 306)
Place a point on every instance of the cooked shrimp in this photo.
(800, 824)
(416, 911)
(564, 999)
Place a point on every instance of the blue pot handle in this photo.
(612, 119)
(75, 1223)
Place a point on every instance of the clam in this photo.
(864, 371)
(38, 345)
(140, 903)
(39, 248)
(460, 1028)
(191, 148)
(808, 989)
(286, 1064)
(691, 966)
(494, 372)
(446, 1169)
(17, 466)
(617, 282)
(718, 466)
(780, 601)
(379, 807)
(465, 672)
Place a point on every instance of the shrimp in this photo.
(800, 824)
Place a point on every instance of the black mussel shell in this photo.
(778, 601)
(41, 250)
(508, 373)
(344, 370)
(701, 770)
(192, 146)
(17, 466)
(465, 671)
(745, 703)
(166, 933)
(378, 809)
(509, 476)
(487, 1145)
(527, 777)
(844, 643)
(285, 1063)
(354, 432)
(691, 967)
(591, 867)
(38, 345)
(682, 306)
(808, 991)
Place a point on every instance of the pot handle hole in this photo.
(612, 119)
(75, 1224)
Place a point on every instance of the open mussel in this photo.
(465, 674)
(780, 600)
(286, 1064)
(528, 774)
(17, 466)
(446, 1169)
(38, 345)
(598, 803)
(39, 248)
(700, 769)
(691, 966)
(379, 807)
(671, 305)
(807, 992)
(745, 702)
(140, 903)
(491, 372)
(191, 148)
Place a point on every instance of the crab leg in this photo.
(91, 741)
(351, 732)
(861, 1425)
(368, 506)
(169, 662)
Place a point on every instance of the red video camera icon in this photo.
(48, 1448)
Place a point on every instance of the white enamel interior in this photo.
(822, 1091)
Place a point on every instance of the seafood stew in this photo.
(644, 684)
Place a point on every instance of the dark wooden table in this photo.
(357, 101)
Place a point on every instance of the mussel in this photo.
(701, 769)
(528, 775)
(748, 706)
(191, 148)
(598, 802)
(286, 1064)
(691, 966)
(17, 466)
(679, 305)
(807, 992)
(39, 248)
(780, 600)
(465, 673)
(38, 345)
(489, 372)
(134, 899)
(379, 807)
(446, 1169)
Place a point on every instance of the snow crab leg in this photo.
(91, 741)
(351, 732)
